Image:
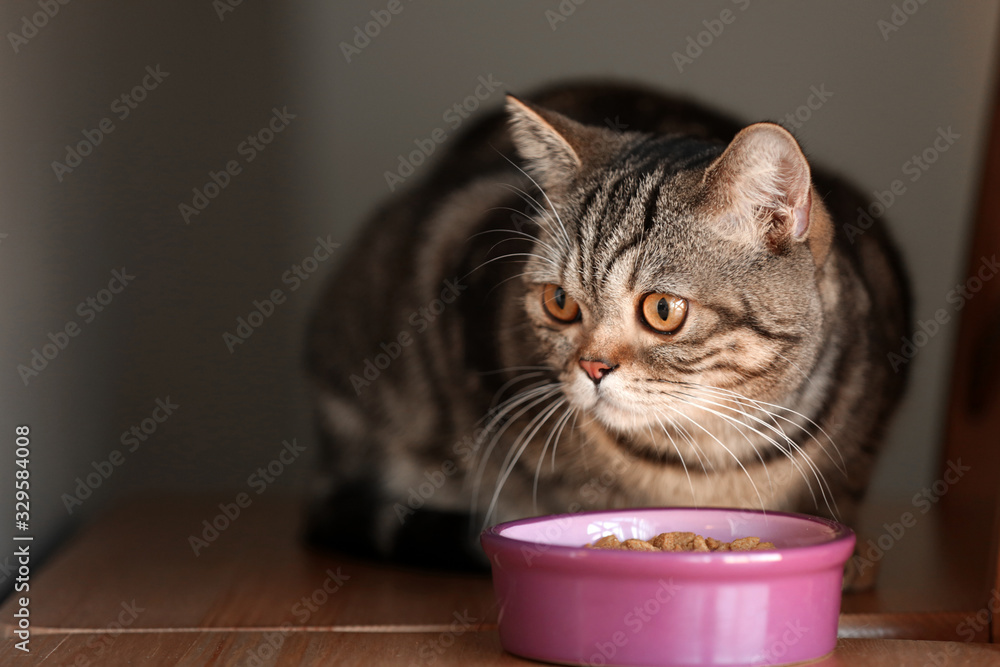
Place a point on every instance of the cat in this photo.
(601, 297)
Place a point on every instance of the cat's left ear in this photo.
(762, 186)
(556, 149)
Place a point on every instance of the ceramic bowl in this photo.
(562, 603)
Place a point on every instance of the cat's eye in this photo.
(559, 305)
(664, 313)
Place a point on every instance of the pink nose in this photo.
(596, 369)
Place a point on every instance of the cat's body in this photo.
(447, 387)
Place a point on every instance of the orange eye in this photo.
(665, 313)
(560, 305)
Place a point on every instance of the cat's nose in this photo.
(596, 369)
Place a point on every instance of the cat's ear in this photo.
(555, 148)
(762, 187)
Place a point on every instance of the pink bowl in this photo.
(562, 603)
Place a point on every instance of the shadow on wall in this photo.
(154, 265)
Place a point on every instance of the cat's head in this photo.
(670, 274)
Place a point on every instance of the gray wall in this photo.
(163, 334)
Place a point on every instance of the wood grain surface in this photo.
(480, 649)
(128, 589)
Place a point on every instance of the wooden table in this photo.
(129, 589)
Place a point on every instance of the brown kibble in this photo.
(682, 541)
(673, 541)
(606, 542)
(685, 541)
(661, 541)
(744, 544)
(714, 544)
(638, 545)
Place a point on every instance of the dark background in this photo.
(162, 336)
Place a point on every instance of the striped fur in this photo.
(774, 393)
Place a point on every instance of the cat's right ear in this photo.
(555, 148)
(761, 186)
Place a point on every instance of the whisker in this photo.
(520, 397)
(505, 230)
(543, 217)
(542, 258)
(585, 444)
(499, 413)
(691, 441)
(539, 395)
(502, 241)
(515, 452)
(515, 232)
(528, 199)
(759, 405)
(729, 451)
(679, 455)
(540, 275)
(796, 367)
(542, 213)
(576, 414)
(499, 392)
(733, 395)
(735, 423)
(556, 427)
(538, 419)
(508, 256)
(813, 468)
(516, 368)
(542, 190)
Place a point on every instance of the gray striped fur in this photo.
(485, 414)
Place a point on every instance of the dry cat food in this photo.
(681, 542)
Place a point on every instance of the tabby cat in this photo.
(601, 297)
